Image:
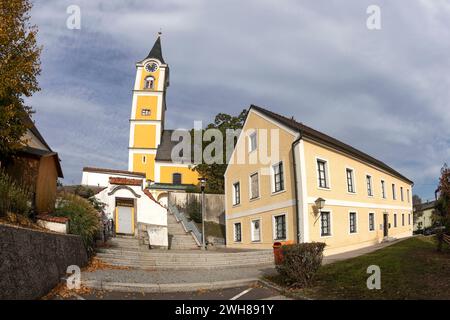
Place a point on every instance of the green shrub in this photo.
(84, 219)
(194, 209)
(13, 197)
(300, 263)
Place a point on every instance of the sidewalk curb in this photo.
(167, 287)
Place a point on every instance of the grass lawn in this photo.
(410, 269)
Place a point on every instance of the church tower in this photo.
(148, 111)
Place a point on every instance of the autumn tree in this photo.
(19, 68)
(441, 214)
(215, 172)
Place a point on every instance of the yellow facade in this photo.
(155, 75)
(145, 162)
(302, 217)
(147, 121)
(145, 136)
(188, 176)
(145, 103)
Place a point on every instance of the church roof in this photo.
(164, 152)
(156, 52)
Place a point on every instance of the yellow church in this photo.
(150, 144)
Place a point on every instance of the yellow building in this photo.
(280, 168)
(150, 145)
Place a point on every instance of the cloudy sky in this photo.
(384, 91)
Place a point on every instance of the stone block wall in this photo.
(32, 262)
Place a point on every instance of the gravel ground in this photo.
(176, 276)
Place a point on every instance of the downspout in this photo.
(297, 214)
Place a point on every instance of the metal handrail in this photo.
(188, 225)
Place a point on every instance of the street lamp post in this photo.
(202, 186)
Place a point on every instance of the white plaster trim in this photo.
(356, 222)
(304, 193)
(234, 231)
(137, 82)
(250, 195)
(142, 150)
(278, 124)
(294, 133)
(374, 222)
(252, 229)
(334, 202)
(327, 173)
(330, 225)
(356, 159)
(274, 206)
(353, 179)
(274, 229)
(371, 184)
(173, 164)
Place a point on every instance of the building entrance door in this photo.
(385, 224)
(125, 216)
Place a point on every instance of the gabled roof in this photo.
(32, 127)
(40, 153)
(156, 51)
(103, 170)
(164, 151)
(125, 181)
(322, 138)
(425, 206)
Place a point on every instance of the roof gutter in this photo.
(297, 214)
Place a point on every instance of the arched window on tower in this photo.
(149, 82)
(176, 178)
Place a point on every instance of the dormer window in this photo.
(149, 82)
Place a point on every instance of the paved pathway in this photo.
(134, 279)
(177, 276)
(240, 293)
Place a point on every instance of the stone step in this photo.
(176, 265)
(194, 253)
(146, 257)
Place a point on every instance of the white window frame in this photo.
(234, 231)
(395, 222)
(394, 191)
(252, 229)
(255, 134)
(234, 193)
(369, 176)
(408, 195)
(274, 226)
(152, 82)
(327, 174)
(353, 179)
(403, 219)
(330, 223)
(374, 222)
(402, 196)
(356, 222)
(250, 186)
(383, 189)
(272, 178)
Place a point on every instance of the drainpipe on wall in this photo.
(295, 186)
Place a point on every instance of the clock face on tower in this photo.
(151, 67)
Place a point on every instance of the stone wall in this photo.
(32, 262)
(214, 208)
